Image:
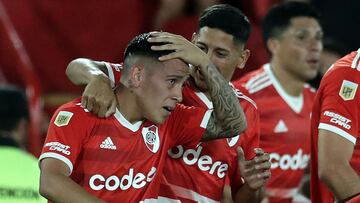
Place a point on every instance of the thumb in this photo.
(241, 157)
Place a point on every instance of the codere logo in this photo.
(286, 161)
(111, 183)
(204, 162)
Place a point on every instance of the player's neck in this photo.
(127, 106)
(292, 85)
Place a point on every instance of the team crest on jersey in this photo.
(151, 138)
(63, 118)
(232, 140)
(348, 90)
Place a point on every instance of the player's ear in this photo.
(194, 36)
(244, 56)
(136, 75)
(273, 45)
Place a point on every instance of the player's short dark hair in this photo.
(13, 107)
(228, 19)
(139, 46)
(279, 17)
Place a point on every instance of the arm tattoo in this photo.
(228, 118)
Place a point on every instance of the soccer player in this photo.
(120, 158)
(293, 36)
(199, 173)
(335, 121)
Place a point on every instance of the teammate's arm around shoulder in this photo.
(98, 96)
(56, 185)
(228, 118)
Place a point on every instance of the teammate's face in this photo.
(161, 89)
(222, 51)
(299, 47)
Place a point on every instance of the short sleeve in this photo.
(188, 124)
(340, 102)
(114, 73)
(68, 129)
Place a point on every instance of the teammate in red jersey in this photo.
(335, 121)
(199, 173)
(293, 37)
(120, 159)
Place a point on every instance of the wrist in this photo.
(249, 189)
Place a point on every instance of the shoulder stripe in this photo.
(259, 82)
(260, 87)
(356, 59)
(255, 79)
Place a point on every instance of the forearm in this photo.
(81, 71)
(60, 188)
(343, 181)
(228, 111)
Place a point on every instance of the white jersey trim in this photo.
(189, 194)
(59, 157)
(206, 118)
(111, 74)
(342, 133)
(356, 59)
(122, 120)
(281, 192)
(160, 200)
(295, 103)
(256, 80)
(204, 99)
(260, 87)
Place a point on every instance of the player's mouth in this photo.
(313, 61)
(168, 109)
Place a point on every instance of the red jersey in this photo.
(213, 162)
(336, 109)
(113, 159)
(284, 131)
(199, 173)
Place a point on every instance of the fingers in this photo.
(258, 151)
(262, 158)
(263, 166)
(84, 100)
(264, 175)
(90, 103)
(102, 110)
(111, 110)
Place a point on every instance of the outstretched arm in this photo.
(228, 118)
(98, 96)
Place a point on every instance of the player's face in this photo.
(299, 48)
(222, 51)
(161, 89)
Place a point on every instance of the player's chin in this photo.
(310, 74)
(160, 118)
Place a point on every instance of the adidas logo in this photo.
(280, 127)
(107, 144)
